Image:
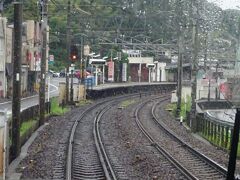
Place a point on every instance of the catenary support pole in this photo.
(68, 52)
(234, 147)
(180, 56)
(17, 61)
(195, 24)
(43, 63)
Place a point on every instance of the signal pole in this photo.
(68, 52)
(17, 61)
(71, 90)
(43, 62)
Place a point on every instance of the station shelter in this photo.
(138, 68)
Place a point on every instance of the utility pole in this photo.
(180, 59)
(194, 63)
(180, 56)
(43, 62)
(17, 61)
(68, 52)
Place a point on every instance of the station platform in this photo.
(130, 84)
(112, 89)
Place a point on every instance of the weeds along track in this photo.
(188, 162)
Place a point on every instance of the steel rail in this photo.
(70, 146)
(164, 152)
(71, 139)
(209, 161)
(108, 169)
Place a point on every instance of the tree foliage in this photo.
(93, 21)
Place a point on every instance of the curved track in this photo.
(87, 157)
(188, 161)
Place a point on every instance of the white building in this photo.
(159, 71)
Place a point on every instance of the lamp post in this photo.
(105, 57)
(86, 51)
(96, 75)
(149, 75)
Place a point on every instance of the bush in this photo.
(185, 107)
(56, 109)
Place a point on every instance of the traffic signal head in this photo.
(73, 57)
(74, 53)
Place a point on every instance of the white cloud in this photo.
(227, 4)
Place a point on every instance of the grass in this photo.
(210, 138)
(127, 103)
(185, 107)
(84, 102)
(56, 109)
(25, 126)
(219, 143)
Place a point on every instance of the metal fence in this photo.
(216, 131)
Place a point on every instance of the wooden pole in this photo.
(17, 61)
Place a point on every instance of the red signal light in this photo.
(73, 57)
(74, 53)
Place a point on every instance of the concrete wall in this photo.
(9, 45)
(24, 80)
(203, 88)
(78, 92)
(3, 22)
(2, 84)
(186, 91)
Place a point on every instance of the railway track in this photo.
(191, 163)
(87, 157)
(83, 161)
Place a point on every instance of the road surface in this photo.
(32, 100)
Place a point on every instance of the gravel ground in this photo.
(43, 154)
(132, 151)
(215, 153)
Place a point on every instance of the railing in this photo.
(30, 113)
(214, 130)
(33, 112)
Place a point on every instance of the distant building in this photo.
(9, 67)
(138, 68)
(31, 57)
(3, 84)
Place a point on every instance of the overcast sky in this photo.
(227, 4)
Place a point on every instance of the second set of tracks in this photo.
(190, 163)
